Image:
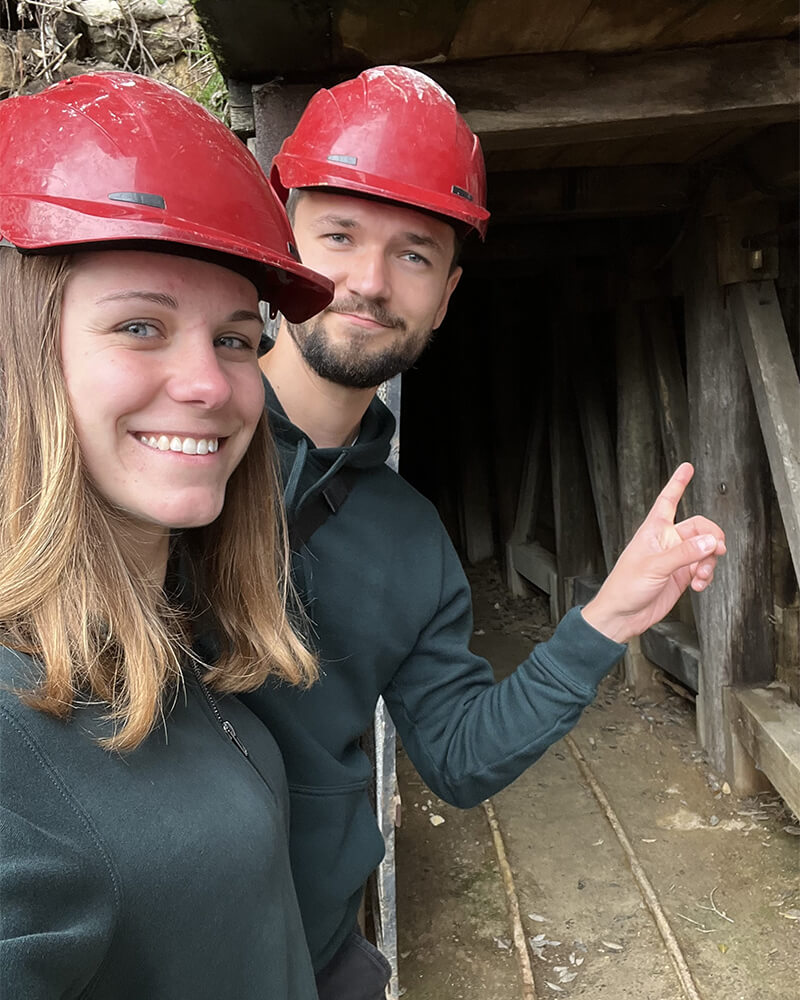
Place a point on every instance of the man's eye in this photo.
(416, 258)
(337, 237)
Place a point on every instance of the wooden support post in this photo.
(765, 742)
(776, 390)
(729, 487)
(638, 461)
(276, 110)
(578, 551)
(528, 497)
(601, 461)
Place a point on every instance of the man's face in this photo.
(392, 270)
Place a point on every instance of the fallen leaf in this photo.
(556, 989)
(791, 914)
(537, 917)
(612, 945)
(436, 820)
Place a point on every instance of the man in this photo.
(386, 178)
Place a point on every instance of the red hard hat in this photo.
(393, 133)
(116, 158)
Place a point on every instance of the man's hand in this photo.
(660, 561)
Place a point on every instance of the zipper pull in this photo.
(231, 732)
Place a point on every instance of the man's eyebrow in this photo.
(245, 316)
(423, 240)
(335, 221)
(158, 298)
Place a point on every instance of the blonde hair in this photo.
(72, 595)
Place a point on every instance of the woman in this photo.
(143, 808)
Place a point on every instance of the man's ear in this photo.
(450, 287)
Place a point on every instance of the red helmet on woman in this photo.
(393, 133)
(122, 160)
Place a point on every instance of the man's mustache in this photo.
(372, 310)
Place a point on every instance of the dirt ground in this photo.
(725, 871)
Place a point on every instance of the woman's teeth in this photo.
(188, 445)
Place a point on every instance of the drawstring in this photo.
(294, 475)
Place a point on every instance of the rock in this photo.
(165, 40)
(99, 12)
(155, 10)
(8, 76)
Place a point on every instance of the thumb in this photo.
(687, 553)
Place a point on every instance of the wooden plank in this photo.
(499, 28)
(528, 496)
(578, 549)
(767, 724)
(670, 385)
(524, 101)
(540, 567)
(729, 487)
(600, 459)
(638, 458)
(276, 111)
(776, 389)
(673, 647)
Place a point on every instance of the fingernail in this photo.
(707, 543)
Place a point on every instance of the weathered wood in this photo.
(767, 724)
(578, 549)
(667, 373)
(240, 103)
(600, 460)
(539, 566)
(741, 256)
(729, 487)
(776, 389)
(528, 497)
(673, 646)
(277, 109)
(638, 457)
(521, 102)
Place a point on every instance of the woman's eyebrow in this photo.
(158, 298)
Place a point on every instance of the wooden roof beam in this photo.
(551, 99)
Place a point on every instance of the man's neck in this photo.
(328, 413)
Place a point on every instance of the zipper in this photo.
(226, 726)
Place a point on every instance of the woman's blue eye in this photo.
(138, 328)
(234, 342)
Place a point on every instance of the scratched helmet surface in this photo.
(117, 159)
(391, 133)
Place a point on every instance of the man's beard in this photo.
(354, 365)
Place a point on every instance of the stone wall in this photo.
(42, 41)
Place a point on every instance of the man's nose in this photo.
(368, 275)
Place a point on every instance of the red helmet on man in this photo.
(392, 133)
(121, 160)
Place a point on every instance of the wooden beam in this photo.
(600, 459)
(767, 725)
(519, 102)
(673, 647)
(539, 566)
(528, 496)
(638, 458)
(729, 487)
(776, 390)
(578, 549)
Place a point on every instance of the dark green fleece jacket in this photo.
(162, 874)
(391, 610)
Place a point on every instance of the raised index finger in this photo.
(666, 505)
